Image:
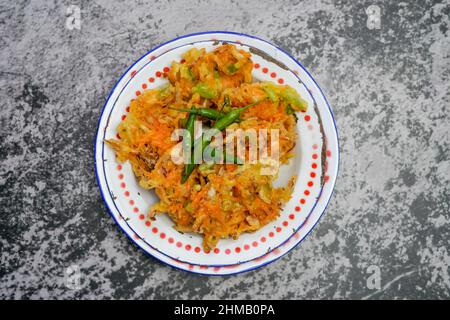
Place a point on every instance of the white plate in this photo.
(315, 164)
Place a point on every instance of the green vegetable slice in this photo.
(204, 91)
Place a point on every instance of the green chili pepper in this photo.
(188, 143)
(227, 120)
(220, 125)
(204, 112)
(188, 168)
(231, 117)
(190, 127)
(204, 91)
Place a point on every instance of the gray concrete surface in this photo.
(389, 88)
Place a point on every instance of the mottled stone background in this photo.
(389, 89)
